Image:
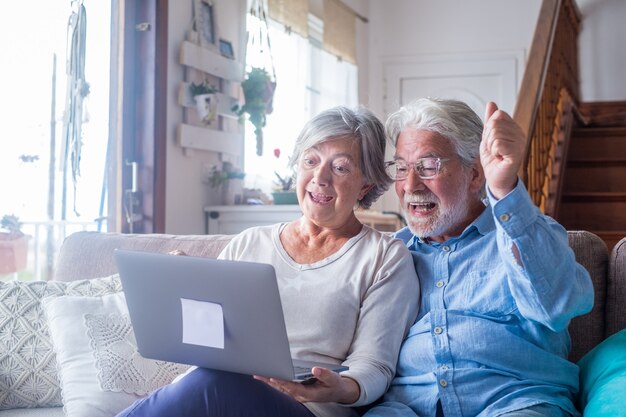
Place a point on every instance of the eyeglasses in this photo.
(426, 168)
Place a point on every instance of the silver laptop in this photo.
(211, 313)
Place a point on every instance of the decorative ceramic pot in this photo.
(285, 197)
(13, 253)
(206, 104)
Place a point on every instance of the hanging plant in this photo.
(258, 92)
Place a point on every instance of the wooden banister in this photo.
(548, 94)
(536, 67)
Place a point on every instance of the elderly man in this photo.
(499, 281)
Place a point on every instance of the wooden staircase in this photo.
(575, 163)
(594, 183)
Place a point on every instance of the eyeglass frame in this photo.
(417, 166)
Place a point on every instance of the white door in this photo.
(473, 78)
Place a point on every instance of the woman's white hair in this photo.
(360, 125)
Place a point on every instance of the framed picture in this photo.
(205, 22)
(226, 49)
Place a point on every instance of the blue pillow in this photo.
(603, 378)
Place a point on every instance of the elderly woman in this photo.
(349, 293)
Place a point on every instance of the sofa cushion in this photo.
(28, 367)
(588, 330)
(603, 378)
(90, 254)
(33, 412)
(101, 370)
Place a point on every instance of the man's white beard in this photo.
(445, 219)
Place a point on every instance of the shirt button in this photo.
(443, 383)
(505, 217)
(444, 367)
(446, 248)
(439, 284)
(438, 330)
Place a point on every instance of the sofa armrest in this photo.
(616, 290)
(86, 255)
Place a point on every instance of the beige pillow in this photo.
(101, 370)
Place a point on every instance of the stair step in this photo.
(607, 113)
(593, 211)
(599, 131)
(585, 177)
(585, 197)
(592, 161)
(594, 144)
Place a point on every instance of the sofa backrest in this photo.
(86, 255)
(90, 255)
(589, 330)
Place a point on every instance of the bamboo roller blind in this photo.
(339, 24)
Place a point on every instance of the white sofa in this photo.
(89, 255)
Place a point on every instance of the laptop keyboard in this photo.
(301, 369)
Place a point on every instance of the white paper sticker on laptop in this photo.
(203, 323)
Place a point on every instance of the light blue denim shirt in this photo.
(491, 336)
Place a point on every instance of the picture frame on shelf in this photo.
(226, 49)
(205, 23)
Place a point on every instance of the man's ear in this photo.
(478, 177)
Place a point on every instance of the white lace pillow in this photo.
(28, 371)
(101, 371)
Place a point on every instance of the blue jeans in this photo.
(210, 393)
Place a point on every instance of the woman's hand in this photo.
(329, 387)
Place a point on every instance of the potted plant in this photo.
(258, 92)
(230, 180)
(13, 245)
(206, 100)
(283, 186)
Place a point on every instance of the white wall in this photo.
(186, 194)
(602, 50)
(417, 28)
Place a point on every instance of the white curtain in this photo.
(309, 80)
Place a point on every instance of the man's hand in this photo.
(501, 150)
(329, 387)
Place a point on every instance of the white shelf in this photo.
(205, 60)
(206, 139)
(230, 220)
(234, 219)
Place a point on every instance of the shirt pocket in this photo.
(487, 293)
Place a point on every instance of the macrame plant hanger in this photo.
(77, 90)
(260, 82)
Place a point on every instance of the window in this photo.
(33, 33)
(309, 80)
